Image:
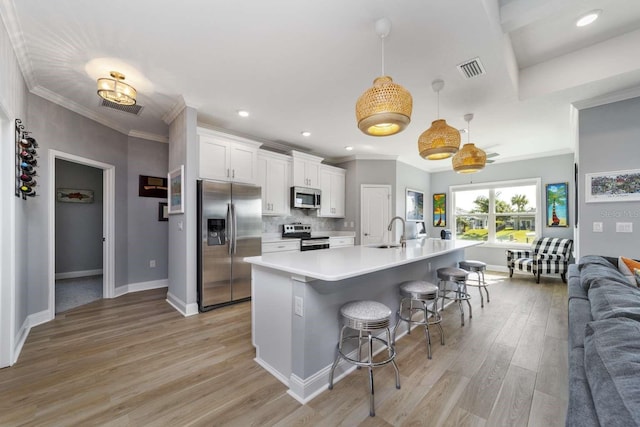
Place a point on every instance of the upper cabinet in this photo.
(332, 185)
(273, 177)
(227, 158)
(306, 170)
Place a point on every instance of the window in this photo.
(497, 212)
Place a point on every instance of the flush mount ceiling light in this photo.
(440, 140)
(385, 108)
(305, 133)
(588, 18)
(348, 148)
(469, 159)
(116, 90)
(243, 113)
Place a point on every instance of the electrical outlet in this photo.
(152, 263)
(298, 307)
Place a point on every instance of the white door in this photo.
(375, 213)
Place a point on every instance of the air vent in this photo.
(131, 109)
(471, 68)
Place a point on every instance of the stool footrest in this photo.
(365, 340)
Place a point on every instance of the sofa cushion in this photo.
(579, 316)
(610, 298)
(580, 411)
(612, 366)
(575, 289)
(593, 259)
(592, 272)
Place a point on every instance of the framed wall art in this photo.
(616, 186)
(152, 186)
(176, 190)
(557, 204)
(163, 211)
(439, 210)
(414, 205)
(69, 195)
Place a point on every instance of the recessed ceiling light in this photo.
(348, 148)
(588, 18)
(243, 113)
(305, 133)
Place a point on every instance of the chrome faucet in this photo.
(403, 240)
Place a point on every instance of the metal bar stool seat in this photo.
(366, 317)
(477, 267)
(421, 292)
(457, 276)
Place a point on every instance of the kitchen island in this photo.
(296, 298)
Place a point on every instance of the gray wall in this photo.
(78, 225)
(183, 143)
(63, 130)
(416, 179)
(14, 217)
(148, 238)
(550, 169)
(399, 176)
(609, 138)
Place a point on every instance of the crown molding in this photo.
(76, 108)
(620, 95)
(177, 108)
(16, 36)
(148, 136)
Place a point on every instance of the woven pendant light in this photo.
(440, 140)
(469, 159)
(385, 108)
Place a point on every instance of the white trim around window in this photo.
(491, 216)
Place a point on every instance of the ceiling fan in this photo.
(491, 157)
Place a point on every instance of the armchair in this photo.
(547, 255)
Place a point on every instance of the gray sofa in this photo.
(604, 345)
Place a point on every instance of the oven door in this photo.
(313, 244)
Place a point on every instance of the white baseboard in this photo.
(140, 286)
(183, 308)
(76, 274)
(32, 320)
(498, 268)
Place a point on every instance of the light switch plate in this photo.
(298, 308)
(624, 227)
(597, 227)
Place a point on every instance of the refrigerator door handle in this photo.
(230, 228)
(234, 231)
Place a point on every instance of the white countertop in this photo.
(343, 263)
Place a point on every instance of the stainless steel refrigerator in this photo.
(229, 229)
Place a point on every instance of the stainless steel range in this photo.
(303, 232)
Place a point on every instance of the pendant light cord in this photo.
(382, 41)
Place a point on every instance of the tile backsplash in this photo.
(273, 224)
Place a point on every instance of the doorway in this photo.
(375, 213)
(58, 160)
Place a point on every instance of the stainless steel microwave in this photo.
(305, 198)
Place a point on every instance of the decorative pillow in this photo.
(626, 266)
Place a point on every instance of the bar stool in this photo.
(459, 277)
(477, 267)
(421, 292)
(366, 316)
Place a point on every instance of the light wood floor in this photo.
(135, 361)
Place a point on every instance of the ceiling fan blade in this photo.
(490, 155)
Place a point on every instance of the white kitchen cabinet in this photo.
(281, 246)
(306, 170)
(332, 185)
(341, 241)
(273, 177)
(227, 158)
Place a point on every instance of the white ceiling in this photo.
(301, 65)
